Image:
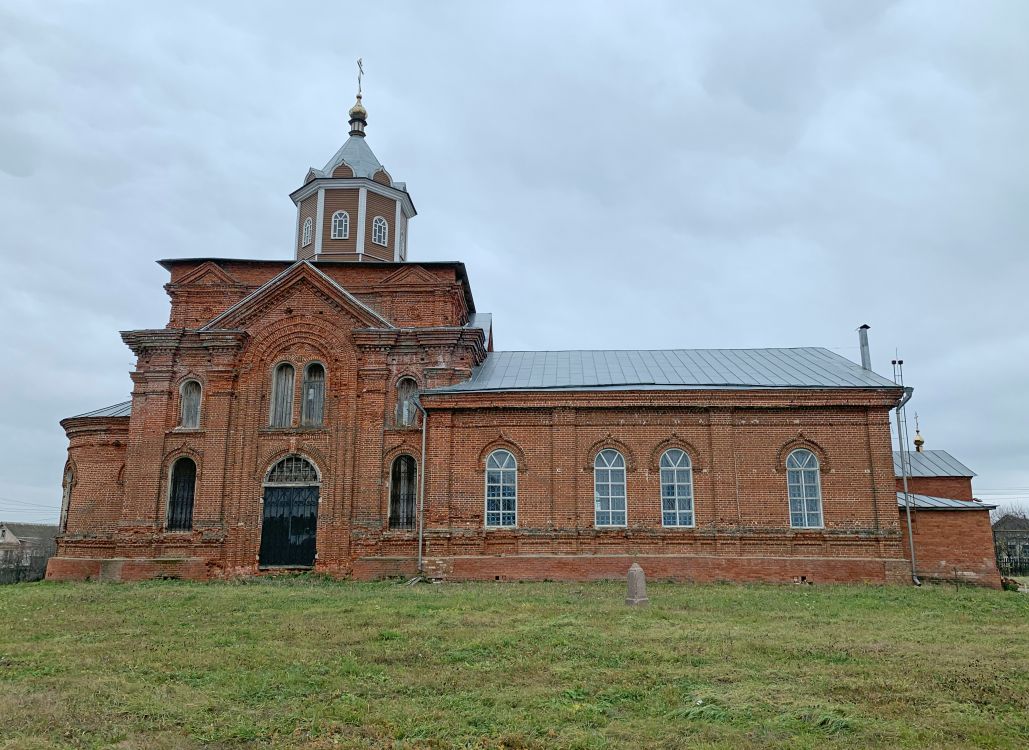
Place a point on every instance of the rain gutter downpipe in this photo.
(421, 485)
(905, 471)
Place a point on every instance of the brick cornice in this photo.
(171, 339)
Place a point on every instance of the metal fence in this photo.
(34, 571)
(1012, 563)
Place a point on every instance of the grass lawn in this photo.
(310, 663)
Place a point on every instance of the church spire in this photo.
(358, 114)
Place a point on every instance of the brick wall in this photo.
(954, 545)
(958, 488)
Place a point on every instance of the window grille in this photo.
(340, 225)
(380, 231)
(180, 495)
(402, 493)
(501, 489)
(282, 396)
(805, 489)
(313, 408)
(676, 488)
(609, 488)
(293, 470)
(189, 405)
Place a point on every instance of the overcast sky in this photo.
(614, 175)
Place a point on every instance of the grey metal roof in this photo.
(927, 502)
(932, 464)
(356, 154)
(669, 369)
(482, 321)
(123, 409)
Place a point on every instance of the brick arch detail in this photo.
(404, 449)
(801, 441)
(675, 441)
(504, 442)
(610, 442)
(306, 452)
(278, 339)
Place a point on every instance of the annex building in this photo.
(345, 411)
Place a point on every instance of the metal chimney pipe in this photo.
(866, 357)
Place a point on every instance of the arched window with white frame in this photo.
(340, 225)
(282, 396)
(609, 488)
(189, 405)
(676, 488)
(805, 489)
(380, 231)
(501, 489)
(308, 232)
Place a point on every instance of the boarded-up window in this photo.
(69, 480)
(189, 405)
(402, 492)
(313, 409)
(282, 396)
(180, 495)
(406, 390)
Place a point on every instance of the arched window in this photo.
(189, 405)
(293, 470)
(313, 409)
(180, 494)
(305, 238)
(406, 391)
(609, 488)
(805, 489)
(402, 492)
(69, 481)
(282, 396)
(380, 231)
(340, 225)
(501, 489)
(676, 488)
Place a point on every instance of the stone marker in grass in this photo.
(637, 580)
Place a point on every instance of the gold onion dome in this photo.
(358, 109)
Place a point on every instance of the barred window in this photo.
(340, 225)
(180, 494)
(501, 489)
(805, 489)
(308, 232)
(402, 493)
(312, 411)
(293, 470)
(282, 396)
(676, 488)
(609, 488)
(380, 231)
(189, 405)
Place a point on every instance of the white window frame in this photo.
(345, 221)
(676, 468)
(810, 466)
(377, 223)
(624, 484)
(307, 235)
(486, 485)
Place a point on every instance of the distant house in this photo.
(25, 549)
(1011, 540)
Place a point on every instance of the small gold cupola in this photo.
(358, 117)
(919, 440)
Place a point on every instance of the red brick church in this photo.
(345, 411)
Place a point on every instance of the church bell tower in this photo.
(352, 209)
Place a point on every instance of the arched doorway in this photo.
(290, 515)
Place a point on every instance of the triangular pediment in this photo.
(299, 278)
(208, 274)
(410, 276)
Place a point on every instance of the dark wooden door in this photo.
(289, 526)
